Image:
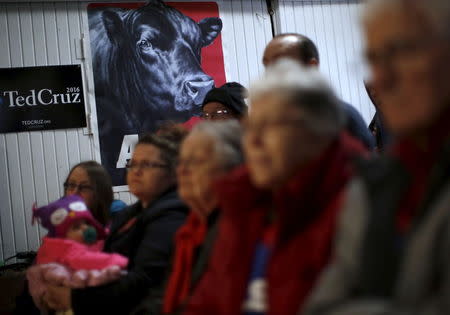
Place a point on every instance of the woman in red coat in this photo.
(279, 211)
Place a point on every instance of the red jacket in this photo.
(306, 207)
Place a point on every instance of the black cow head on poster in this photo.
(149, 61)
(147, 68)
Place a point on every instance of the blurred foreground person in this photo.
(392, 255)
(278, 212)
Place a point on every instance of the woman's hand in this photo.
(58, 298)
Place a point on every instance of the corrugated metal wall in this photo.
(334, 27)
(33, 165)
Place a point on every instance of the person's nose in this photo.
(70, 192)
(136, 170)
(253, 138)
(383, 77)
(182, 168)
(73, 191)
(77, 189)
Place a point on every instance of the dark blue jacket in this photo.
(357, 127)
(380, 132)
(147, 241)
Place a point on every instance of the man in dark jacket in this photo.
(303, 50)
(377, 126)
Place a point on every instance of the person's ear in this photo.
(313, 62)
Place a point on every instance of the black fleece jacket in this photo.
(147, 241)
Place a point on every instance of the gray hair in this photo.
(305, 88)
(436, 11)
(227, 139)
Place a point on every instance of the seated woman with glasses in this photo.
(278, 211)
(91, 182)
(225, 102)
(143, 232)
(210, 151)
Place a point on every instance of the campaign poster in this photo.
(153, 62)
(41, 98)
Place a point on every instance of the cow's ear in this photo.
(210, 28)
(113, 25)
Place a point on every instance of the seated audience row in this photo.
(288, 212)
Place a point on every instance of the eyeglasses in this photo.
(77, 187)
(257, 127)
(146, 165)
(398, 49)
(192, 162)
(218, 114)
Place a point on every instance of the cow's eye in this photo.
(144, 44)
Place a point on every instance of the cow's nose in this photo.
(197, 89)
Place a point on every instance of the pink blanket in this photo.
(72, 264)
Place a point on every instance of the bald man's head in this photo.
(294, 46)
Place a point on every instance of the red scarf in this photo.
(419, 162)
(307, 206)
(188, 238)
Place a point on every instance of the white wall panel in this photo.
(12, 147)
(39, 48)
(246, 30)
(15, 184)
(7, 245)
(28, 192)
(41, 159)
(39, 170)
(334, 27)
(33, 165)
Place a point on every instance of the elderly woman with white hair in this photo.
(210, 151)
(278, 211)
(393, 250)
